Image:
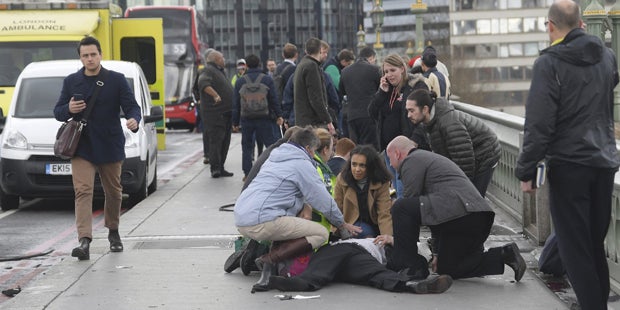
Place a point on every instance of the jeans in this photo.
(263, 130)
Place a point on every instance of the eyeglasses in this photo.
(549, 21)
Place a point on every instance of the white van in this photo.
(28, 167)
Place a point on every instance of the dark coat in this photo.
(463, 138)
(444, 191)
(214, 76)
(275, 107)
(103, 140)
(310, 94)
(569, 110)
(359, 82)
(380, 106)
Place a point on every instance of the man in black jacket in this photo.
(459, 136)
(569, 123)
(359, 82)
(216, 106)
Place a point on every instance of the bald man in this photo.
(438, 194)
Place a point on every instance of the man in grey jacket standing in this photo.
(569, 123)
(439, 195)
(310, 102)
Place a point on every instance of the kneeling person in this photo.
(439, 195)
(267, 208)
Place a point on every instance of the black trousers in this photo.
(482, 179)
(363, 131)
(350, 263)
(581, 200)
(218, 129)
(460, 242)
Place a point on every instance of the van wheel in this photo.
(138, 196)
(8, 202)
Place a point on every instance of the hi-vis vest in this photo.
(330, 182)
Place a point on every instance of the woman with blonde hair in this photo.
(388, 108)
(322, 155)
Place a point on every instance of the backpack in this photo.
(254, 98)
(278, 79)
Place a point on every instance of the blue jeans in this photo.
(396, 182)
(263, 130)
(368, 230)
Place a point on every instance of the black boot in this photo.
(82, 252)
(115, 241)
(248, 257)
(512, 257)
(263, 283)
(434, 284)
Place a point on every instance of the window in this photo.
(483, 26)
(529, 24)
(515, 25)
(141, 50)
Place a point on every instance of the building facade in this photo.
(399, 28)
(262, 27)
(494, 44)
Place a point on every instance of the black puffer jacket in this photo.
(569, 110)
(463, 138)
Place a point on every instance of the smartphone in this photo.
(78, 97)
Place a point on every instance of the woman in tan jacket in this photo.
(362, 192)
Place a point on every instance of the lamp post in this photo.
(361, 39)
(376, 15)
(418, 9)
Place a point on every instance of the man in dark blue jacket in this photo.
(569, 123)
(102, 144)
(263, 128)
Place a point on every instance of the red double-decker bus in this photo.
(184, 45)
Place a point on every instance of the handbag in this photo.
(69, 133)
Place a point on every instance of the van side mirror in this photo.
(157, 114)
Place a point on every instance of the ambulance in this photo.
(43, 30)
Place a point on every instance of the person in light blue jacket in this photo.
(267, 209)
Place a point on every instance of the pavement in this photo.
(176, 242)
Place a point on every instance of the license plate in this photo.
(167, 120)
(58, 169)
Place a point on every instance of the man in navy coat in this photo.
(102, 145)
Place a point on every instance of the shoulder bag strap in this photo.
(98, 86)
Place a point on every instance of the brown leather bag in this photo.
(69, 133)
(67, 138)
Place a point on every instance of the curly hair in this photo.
(375, 166)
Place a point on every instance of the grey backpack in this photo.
(253, 95)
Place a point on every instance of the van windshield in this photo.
(14, 56)
(37, 97)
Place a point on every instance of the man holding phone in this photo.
(102, 145)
